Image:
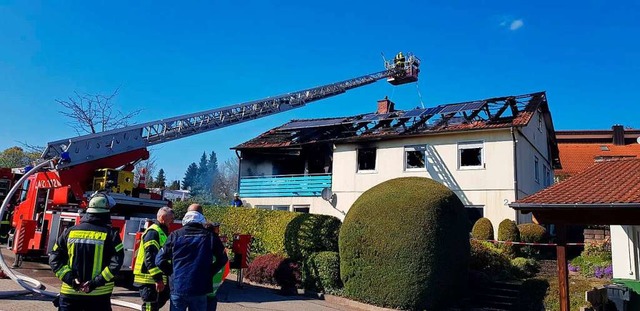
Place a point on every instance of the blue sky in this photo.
(170, 59)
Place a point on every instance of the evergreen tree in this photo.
(160, 180)
(200, 186)
(175, 185)
(213, 172)
(190, 176)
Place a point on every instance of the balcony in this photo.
(284, 185)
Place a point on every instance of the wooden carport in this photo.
(607, 193)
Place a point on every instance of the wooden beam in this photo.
(563, 274)
(589, 216)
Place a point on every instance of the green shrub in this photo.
(405, 244)
(489, 259)
(266, 227)
(321, 272)
(525, 267)
(508, 231)
(531, 233)
(308, 233)
(482, 229)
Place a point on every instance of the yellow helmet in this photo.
(100, 203)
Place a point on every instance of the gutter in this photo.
(554, 206)
(515, 166)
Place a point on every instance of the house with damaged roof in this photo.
(490, 152)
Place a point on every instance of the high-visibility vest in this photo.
(146, 277)
(97, 239)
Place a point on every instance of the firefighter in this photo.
(86, 257)
(399, 61)
(147, 276)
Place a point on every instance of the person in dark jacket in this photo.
(192, 255)
(86, 257)
(153, 285)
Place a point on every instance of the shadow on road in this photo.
(229, 292)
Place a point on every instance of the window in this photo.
(547, 176)
(415, 158)
(274, 207)
(470, 155)
(536, 170)
(366, 159)
(474, 212)
(301, 208)
(540, 121)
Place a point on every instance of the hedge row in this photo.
(295, 235)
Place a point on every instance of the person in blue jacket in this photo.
(188, 258)
(236, 200)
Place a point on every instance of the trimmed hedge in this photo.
(532, 233)
(482, 229)
(308, 233)
(405, 244)
(321, 272)
(508, 231)
(268, 228)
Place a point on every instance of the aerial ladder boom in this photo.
(93, 147)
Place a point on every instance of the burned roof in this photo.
(491, 113)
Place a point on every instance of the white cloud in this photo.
(516, 24)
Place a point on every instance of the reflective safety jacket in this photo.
(145, 271)
(90, 251)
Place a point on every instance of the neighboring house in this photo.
(489, 152)
(582, 149)
(606, 193)
(172, 195)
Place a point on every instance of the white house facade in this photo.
(487, 157)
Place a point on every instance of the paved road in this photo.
(231, 297)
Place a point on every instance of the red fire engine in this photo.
(8, 178)
(52, 199)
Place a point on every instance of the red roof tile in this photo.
(616, 181)
(575, 157)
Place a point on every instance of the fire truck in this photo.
(52, 199)
(8, 178)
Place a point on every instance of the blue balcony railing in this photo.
(284, 186)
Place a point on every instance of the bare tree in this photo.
(92, 113)
(226, 182)
(150, 168)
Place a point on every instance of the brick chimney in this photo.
(618, 133)
(385, 106)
